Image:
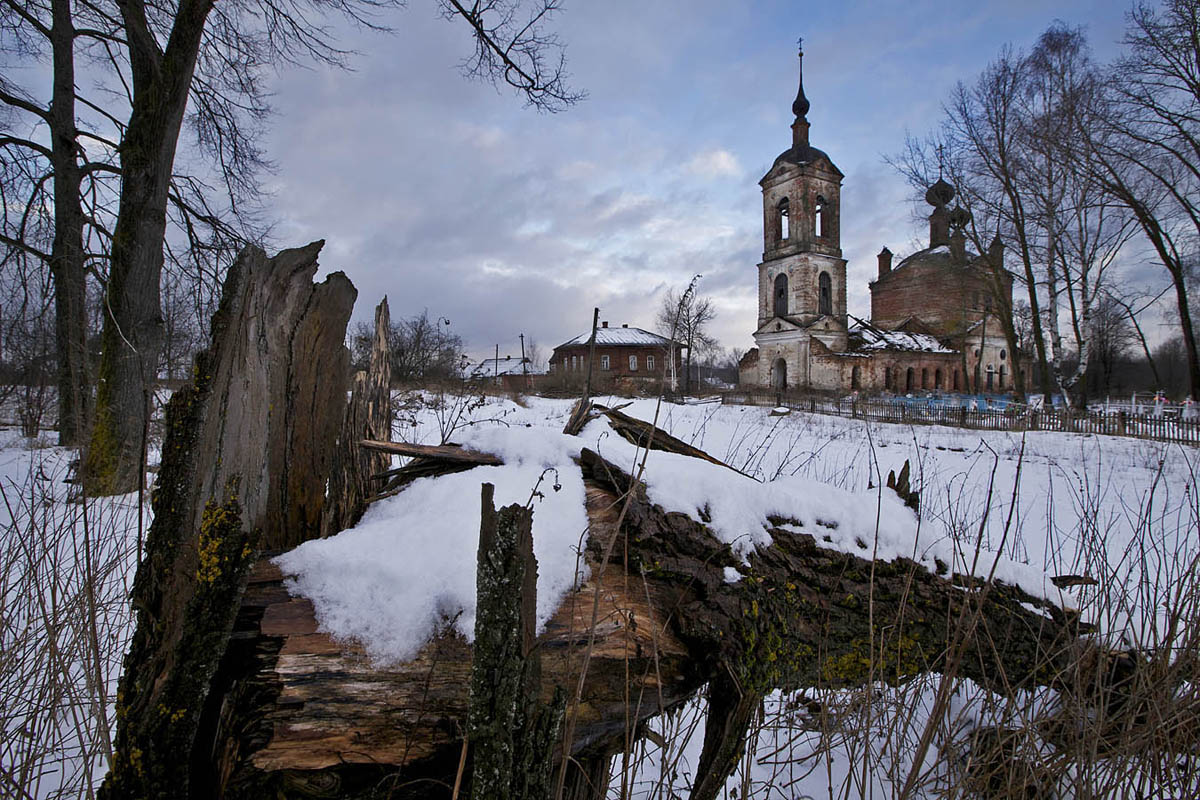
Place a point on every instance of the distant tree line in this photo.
(422, 349)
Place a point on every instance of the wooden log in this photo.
(798, 617)
(244, 464)
(440, 452)
(368, 415)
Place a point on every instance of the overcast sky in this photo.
(445, 194)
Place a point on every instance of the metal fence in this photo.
(1013, 417)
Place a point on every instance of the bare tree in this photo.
(1148, 154)
(685, 316)
(1112, 337)
(1081, 227)
(196, 46)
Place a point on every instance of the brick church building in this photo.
(932, 326)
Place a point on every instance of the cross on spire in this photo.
(800, 44)
(941, 159)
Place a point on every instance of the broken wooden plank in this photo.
(645, 434)
(443, 452)
(368, 415)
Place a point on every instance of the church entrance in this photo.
(779, 375)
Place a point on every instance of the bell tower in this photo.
(802, 277)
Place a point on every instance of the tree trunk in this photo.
(245, 461)
(511, 732)
(66, 254)
(132, 332)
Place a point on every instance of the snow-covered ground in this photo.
(1123, 511)
(1120, 510)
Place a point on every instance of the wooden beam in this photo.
(445, 452)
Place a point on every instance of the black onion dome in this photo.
(801, 105)
(940, 194)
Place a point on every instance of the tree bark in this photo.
(66, 254)
(511, 732)
(245, 461)
(132, 332)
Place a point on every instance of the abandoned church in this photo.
(934, 324)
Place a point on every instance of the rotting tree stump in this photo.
(244, 466)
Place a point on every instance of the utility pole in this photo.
(496, 369)
(587, 389)
(524, 367)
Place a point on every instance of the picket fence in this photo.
(1011, 418)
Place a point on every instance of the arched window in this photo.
(924, 378)
(956, 380)
(825, 289)
(820, 220)
(887, 378)
(1003, 354)
(937, 379)
(856, 378)
(909, 380)
(781, 295)
(781, 211)
(1001, 377)
(991, 374)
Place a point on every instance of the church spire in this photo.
(800, 108)
(801, 105)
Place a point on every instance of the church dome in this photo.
(805, 155)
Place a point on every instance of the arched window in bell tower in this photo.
(825, 294)
(784, 219)
(820, 218)
(781, 295)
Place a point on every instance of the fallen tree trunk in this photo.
(311, 713)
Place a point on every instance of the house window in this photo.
(650, 363)
(603, 362)
(781, 295)
(825, 285)
(784, 222)
(633, 363)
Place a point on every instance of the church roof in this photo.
(870, 337)
(939, 255)
(808, 155)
